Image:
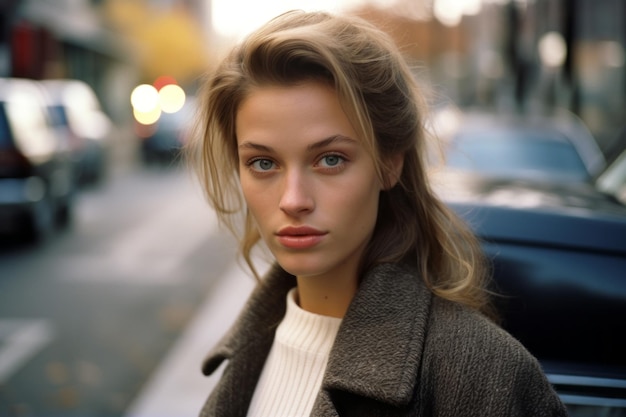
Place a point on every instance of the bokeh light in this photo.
(552, 49)
(149, 117)
(450, 12)
(171, 98)
(162, 81)
(144, 98)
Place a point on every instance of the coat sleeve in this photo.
(473, 367)
(531, 392)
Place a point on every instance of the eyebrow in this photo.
(317, 145)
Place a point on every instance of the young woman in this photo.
(312, 129)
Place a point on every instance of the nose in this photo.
(296, 198)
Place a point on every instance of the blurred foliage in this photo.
(168, 42)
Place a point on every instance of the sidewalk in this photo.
(177, 387)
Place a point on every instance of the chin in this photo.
(300, 266)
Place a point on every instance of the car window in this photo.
(516, 154)
(30, 127)
(58, 116)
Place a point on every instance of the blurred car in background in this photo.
(613, 179)
(76, 109)
(558, 147)
(162, 142)
(558, 256)
(36, 171)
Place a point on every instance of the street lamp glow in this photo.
(147, 118)
(172, 98)
(552, 49)
(144, 98)
(472, 7)
(451, 12)
(448, 12)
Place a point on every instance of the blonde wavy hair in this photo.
(382, 100)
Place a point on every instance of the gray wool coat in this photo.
(400, 351)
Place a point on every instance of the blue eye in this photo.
(331, 160)
(262, 164)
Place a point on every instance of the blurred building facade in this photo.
(591, 78)
(43, 39)
(491, 57)
(101, 43)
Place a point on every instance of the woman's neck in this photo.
(327, 295)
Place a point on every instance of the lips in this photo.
(300, 237)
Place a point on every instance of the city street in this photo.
(88, 317)
(516, 109)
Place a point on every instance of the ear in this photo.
(395, 163)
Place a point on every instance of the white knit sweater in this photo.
(293, 372)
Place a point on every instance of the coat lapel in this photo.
(377, 354)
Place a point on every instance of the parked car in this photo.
(558, 253)
(555, 147)
(75, 107)
(613, 179)
(36, 172)
(165, 139)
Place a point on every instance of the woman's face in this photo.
(308, 182)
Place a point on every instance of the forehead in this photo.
(283, 97)
(306, 111)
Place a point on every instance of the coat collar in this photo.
(378, 350)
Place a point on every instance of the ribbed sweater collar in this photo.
(306, 331)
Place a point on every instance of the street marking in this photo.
(158, 245)
(150, 252)
(21, 340)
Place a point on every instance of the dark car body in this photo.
(558, 253)
(36, 171)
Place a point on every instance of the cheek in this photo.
(362, 203)
(258, 200)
